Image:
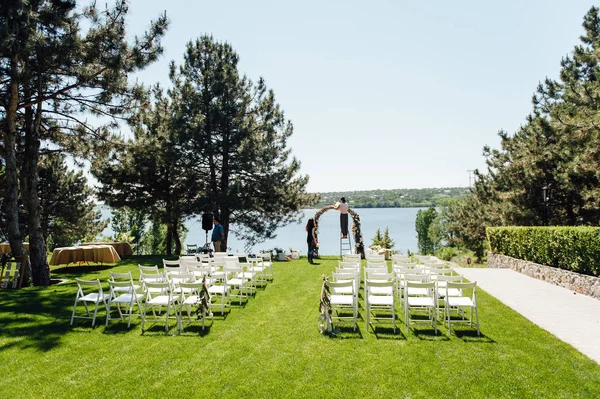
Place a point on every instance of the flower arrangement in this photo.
(356, 232)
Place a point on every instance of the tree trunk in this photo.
(12, 181)
(169, 240)
(224, 187)
(225, 223)
(172, 231)
(29, 181)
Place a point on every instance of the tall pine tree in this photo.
(236, 143)
(53, 72)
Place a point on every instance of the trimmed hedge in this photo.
(571, 248)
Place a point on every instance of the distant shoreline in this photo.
(399, 198)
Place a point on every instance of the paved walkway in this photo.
(573, 318)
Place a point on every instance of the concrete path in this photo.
(573, 318)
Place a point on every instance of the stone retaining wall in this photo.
(579, 283)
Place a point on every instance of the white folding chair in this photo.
(177, 279)
(219, 289)
(171, 263)
(235, 279)
(396, 258)
(173, 267)
(256, 266)
(457, 304)
(414, 290)
(442, 280)
(344, 276)
(192, 249)
(377, 264)
(124, 293)
(89, 291)
(151, 278)
(199, 270)
(379, 302)
(426, 301)
(193, 295)
(158, 295)
(422, 258)
(375, 258)
(342, 301)
(219, 255)
(204, 258)
(376, 274)
(348, 266)
(268, 264)
(124, 277)
(148, 270)
(356, 258)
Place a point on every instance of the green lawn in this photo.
(270, 347)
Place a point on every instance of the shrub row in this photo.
(571, 248)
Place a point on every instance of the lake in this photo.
(401, 223)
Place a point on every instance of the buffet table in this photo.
(87, 253)
(122, 248)
(5, 247)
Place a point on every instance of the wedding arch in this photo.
(359, 246)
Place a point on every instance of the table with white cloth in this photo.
(122, 248)
(86, 253)
(5, 247)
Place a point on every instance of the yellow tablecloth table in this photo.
(88, 253)
(122, 248)
(5, 247)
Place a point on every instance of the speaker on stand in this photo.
(207, 225)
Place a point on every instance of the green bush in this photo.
(571, 248)
(446, 253)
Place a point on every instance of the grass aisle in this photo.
(270, 347)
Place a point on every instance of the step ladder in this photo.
(345, 245)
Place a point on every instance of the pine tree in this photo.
(53, 71)
(422, 223)
(159, 183)
(236, 143)
(548, 172)
(377, 239)
(386, 240)
(68, 213)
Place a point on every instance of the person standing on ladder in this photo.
(342, 206)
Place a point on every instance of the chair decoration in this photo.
(325, 309)
(204, 304)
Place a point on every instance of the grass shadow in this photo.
(158, 328)
(348, 332)
(387, 332)
(41, 315)
(81, 269)
(427, 333)
(118, 327)
(469, 334)
(195, 330)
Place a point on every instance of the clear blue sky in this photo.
(384, 94)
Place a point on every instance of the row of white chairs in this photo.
(181, 285)
(419, 288)
(260, 263)
(154, 291)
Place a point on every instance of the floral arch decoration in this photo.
(359, 246)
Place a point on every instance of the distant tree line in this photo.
(394, 198)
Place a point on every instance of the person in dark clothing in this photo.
(218, 235)
(342, 206)
(311, 238)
